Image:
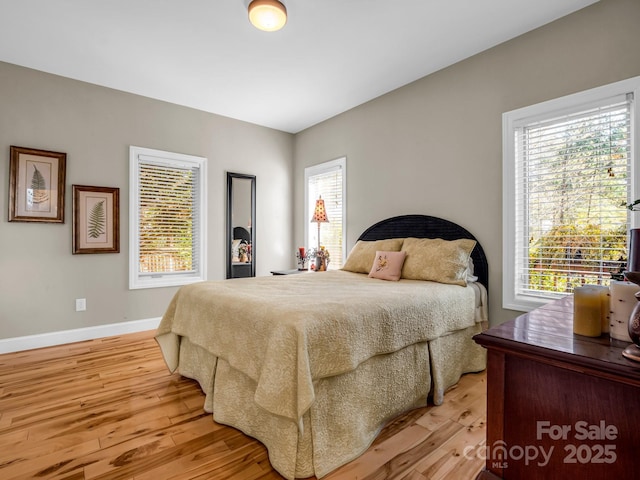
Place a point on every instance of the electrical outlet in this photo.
(81, 304)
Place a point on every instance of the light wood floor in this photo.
(109, 409)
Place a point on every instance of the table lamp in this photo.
(319, 216)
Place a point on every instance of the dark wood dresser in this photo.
(559, 405)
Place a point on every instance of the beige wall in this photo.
(431, 147)
(434, 147)
(39, 277)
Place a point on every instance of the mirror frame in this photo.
(252, 178)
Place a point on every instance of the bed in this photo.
(314, 365)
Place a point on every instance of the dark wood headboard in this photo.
(425, 226)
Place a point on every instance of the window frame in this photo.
(326, 167)
(556, 107)
(136, 280)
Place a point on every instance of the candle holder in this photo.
(632, 352)
(302, 259)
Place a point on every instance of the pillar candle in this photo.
(587, 307)
(623, 301)
(605, 307)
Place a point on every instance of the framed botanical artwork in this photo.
(36, 185)
(96, 219)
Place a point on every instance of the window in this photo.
(568, 171)
(328, 181)
(167, 218)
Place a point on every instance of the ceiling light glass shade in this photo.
(267, 15)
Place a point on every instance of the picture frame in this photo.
(96, 219)
(36, 185)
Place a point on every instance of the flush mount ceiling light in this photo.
(267, 15)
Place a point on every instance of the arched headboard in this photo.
(241, 233)
(425, 226)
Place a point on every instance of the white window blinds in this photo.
(572, 175)
(167, 219)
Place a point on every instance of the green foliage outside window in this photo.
(576, 181)
(565, 257)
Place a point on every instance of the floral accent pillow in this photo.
(387, 265)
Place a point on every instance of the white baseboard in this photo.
(17, 344)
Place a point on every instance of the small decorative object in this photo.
(321, 256)
(632, 352)
(244, 251)
(36, 185)
(96, 223)
(633, 206)
(587, 307)
(302, 258)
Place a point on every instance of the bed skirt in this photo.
(349, 410)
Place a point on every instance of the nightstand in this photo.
(287, 272)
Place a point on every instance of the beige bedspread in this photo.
(285, 332)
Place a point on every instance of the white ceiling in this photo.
(331, 56)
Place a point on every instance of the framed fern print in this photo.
(36, 185)
(96, 219)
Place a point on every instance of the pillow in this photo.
(471, 276)
(387, 265)
(437, 260)
(363, 253)
(235, 246)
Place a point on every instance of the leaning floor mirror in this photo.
(241, 225)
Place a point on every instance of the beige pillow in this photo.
(387, 265)
(437, 260)
(363, 253)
